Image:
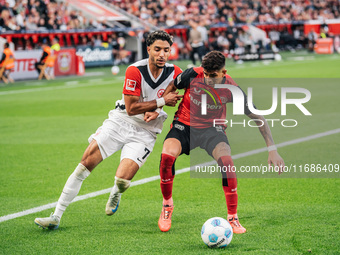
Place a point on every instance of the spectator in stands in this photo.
(299, 36)
(123, 56)
(115, 46)
(287, 40)
(145, 35)
(223, 43)
(20, 19)
(312, 36)
(97, 41)
(195, 42)
(231, 36)
(204, 33)
(42, 24)
(244, 40)
(183, 52)
(46, 53)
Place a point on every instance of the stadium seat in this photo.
(47, 68)
(8, 65)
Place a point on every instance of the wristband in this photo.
(160, 102)
(158, 110)
(271, 148)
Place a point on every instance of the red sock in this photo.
(229, 183)
(167, 173)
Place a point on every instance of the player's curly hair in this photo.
(159, 35)
(213, 61)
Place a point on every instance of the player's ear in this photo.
(148, 49)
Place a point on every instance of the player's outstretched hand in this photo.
(276, 161)
(172, 98)
(149, 116)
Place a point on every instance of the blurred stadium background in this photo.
(99, 32)
(44, 125)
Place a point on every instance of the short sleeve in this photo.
(177, 71)
(132, 83)
(183, 80)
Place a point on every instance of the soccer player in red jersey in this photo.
(189, 123)
(131, 127)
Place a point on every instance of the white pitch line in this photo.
(153, 178)
(67, 85)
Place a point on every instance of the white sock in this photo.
(71, 189)
(120, 186)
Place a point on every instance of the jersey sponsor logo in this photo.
(197, 91)
(160, 93)
(219, 128)
(130, 85)
(180, 127)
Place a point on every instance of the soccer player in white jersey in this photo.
(131, 126)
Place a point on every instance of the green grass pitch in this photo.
(44, 126)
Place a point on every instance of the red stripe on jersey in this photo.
(132, 83)
(177, 71)
(199, 71)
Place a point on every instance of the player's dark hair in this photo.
(159, 35)
(213, 61)
(6, 45)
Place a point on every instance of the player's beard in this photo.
(154, 61)
(160, 67)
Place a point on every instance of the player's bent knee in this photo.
(221, 149)
(172, 147)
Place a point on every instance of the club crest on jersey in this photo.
(130, 85)
(160, 93)
(224, 100)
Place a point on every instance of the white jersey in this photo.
(140, 82)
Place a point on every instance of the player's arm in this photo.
(273, 158)
(133, 106)
(149, 116)
(132, 93)
(171, 88)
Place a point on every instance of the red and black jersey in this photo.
(190, 109)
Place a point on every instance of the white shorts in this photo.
(135, 142)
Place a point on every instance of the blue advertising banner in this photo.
(95, 56)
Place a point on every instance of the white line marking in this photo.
(153, 178)
(96, 80)
(94, 74)
(69, 84)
